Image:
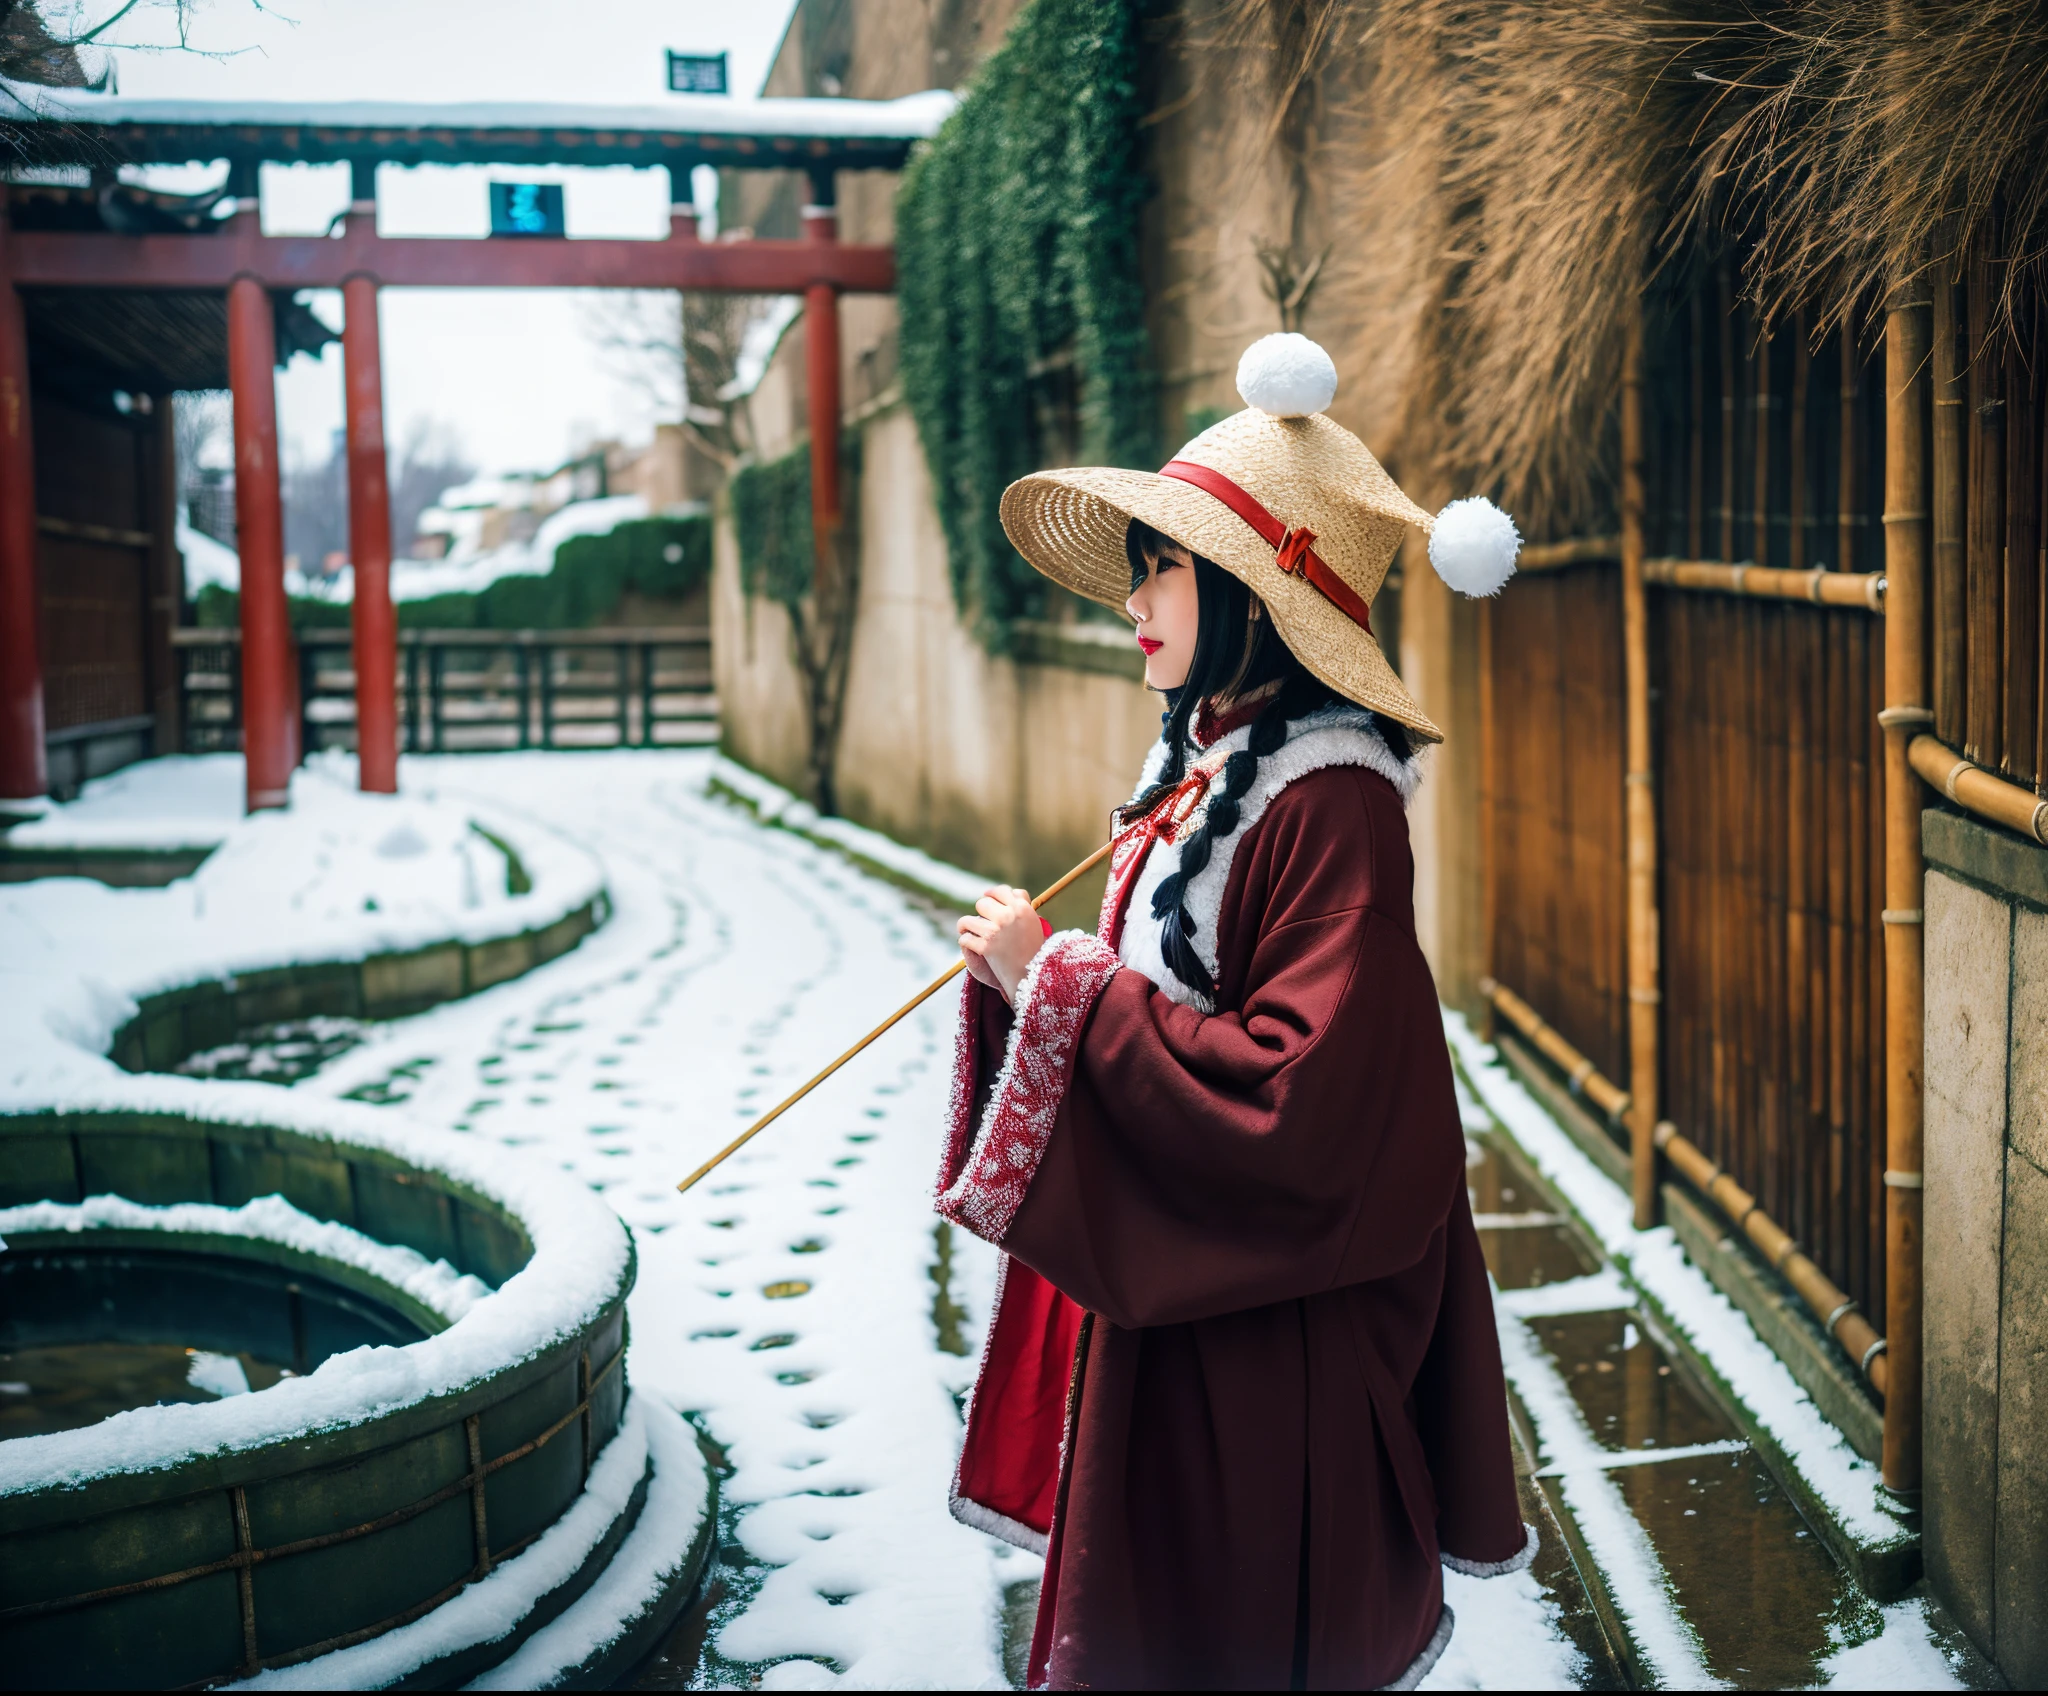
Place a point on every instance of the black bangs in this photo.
(1141, 548)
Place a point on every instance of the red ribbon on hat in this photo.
(1294, 550)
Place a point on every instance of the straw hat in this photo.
(1284, 499)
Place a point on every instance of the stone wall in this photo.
(1986, 1484)
(1008, 765)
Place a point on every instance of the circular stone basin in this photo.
(88, 1331)
(435, 1457)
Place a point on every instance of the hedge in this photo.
(665, 558)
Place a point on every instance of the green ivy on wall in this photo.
(1017, 264)
(663, 558)
(771, 518)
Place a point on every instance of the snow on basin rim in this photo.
(433, 1284)
(582, 1260)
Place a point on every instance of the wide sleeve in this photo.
(1159, 1165)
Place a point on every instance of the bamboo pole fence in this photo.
(1831, 599)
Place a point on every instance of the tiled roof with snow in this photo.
(705, 128)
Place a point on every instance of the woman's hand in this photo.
(1000, 938)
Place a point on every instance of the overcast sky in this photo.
(514, 372)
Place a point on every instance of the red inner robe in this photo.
(1243, 1383)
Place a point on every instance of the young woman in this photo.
(1242, 1386)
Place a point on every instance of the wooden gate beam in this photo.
(92, 259)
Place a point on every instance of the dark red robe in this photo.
(1242, 1385)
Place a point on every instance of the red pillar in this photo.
(270, 730)
(369, 544)
(821, 370)
(23, 775)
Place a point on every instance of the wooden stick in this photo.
(925, 994)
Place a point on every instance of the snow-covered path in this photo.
(790, 1300)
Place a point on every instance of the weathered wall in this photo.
(1008, 766)
(1986, 1320)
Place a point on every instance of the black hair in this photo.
(1237, 651)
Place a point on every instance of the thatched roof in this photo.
(1526, 164)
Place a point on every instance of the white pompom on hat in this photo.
(1473, 545)
(1289, 502)
(1287, 376)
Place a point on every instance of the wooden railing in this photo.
(474, 691)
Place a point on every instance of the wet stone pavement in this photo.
(1687, 1563)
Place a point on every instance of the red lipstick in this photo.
(1150, 646)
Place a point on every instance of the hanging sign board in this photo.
(527, 209)
(696, 73)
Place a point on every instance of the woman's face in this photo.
(1165, 607)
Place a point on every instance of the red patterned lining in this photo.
(982, 1183)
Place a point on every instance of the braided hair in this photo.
(1237, 651)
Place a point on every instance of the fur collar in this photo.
(1335, 736)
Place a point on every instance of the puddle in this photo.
(394, 1087)
(62, 1387)
(1531, 1251)
(949, 1318)
(277, 1054)
(1764, 1597)
(1631, 1395)
(1523, 1257)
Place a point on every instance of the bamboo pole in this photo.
(1839, 1316)
(1949, 598)
(1850, 491)
(1971, 787)
(1581, 1075)
(1640, 797)
(1695, 425)
(925, 994)
(1908, 334)
(1489, 813)
(1578, 550)
(1864, 589)
(1795, 429)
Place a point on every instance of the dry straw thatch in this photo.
(1529, 163)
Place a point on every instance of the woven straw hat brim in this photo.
(1071, 524)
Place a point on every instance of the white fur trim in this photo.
(1287, 375)
(1473, 545)
(1012, 1531)
(1053, 1002)
(1432, 1652)
(1497, 1569)
(1336, 736)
